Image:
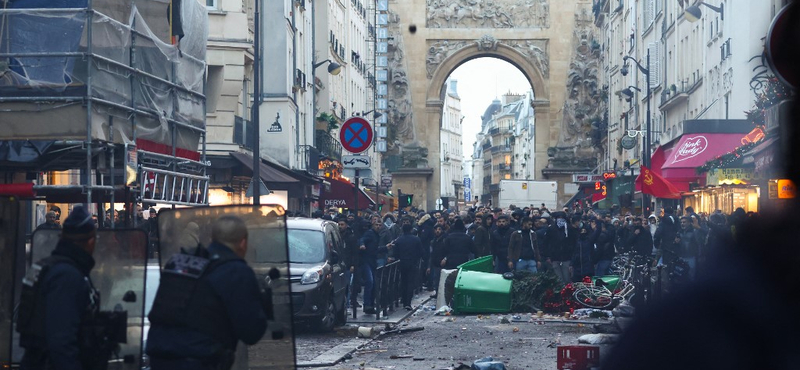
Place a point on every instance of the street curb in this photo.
(336, 354)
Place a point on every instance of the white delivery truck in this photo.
(523, 193)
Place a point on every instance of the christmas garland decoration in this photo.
(774, 93)
(727, 159)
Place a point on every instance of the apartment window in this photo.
(211, 4)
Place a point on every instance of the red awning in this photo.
(694, 150)
(659, 157)
(341, 195)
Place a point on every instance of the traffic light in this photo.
(406, 200)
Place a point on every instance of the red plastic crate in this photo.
(578, 357)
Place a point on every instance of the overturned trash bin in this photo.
(481, 292)
(482, 264)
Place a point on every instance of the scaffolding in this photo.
(114, 89)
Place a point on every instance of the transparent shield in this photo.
(267, 249)
(9, 218)
(120, 268)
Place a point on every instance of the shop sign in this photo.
(786, 189)
(609, 175)
(754, 136)
(691, 148)
(773, 189)
(386, 181)
(588, 177)
(729, 176)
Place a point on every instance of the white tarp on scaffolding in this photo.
(119, 55)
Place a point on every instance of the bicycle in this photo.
(606, 292)
(598, 295)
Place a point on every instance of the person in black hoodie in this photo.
(500, 240)
(457, 246)
(561, 240)
(367, 257)
(604, 249)
(582, 262)
(425, 234)
(640, 241)
(437, 254)
(408, 249)
(668, 228)
(350, 259)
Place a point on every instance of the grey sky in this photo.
(480, 81)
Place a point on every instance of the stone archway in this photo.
(542, 38)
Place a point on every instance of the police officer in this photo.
(58, 303)
(225, 307)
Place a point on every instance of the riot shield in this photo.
(119, 274)
(9, 246)
(267, 249)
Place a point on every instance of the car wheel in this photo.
(328, 319)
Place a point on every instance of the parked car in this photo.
(317, 272)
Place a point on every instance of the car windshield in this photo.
(306, 246)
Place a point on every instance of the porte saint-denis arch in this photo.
(553, 43)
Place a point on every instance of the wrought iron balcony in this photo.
(328, 146)
(309, 159)
(504, 167)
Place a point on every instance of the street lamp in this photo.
(375, 114)
(693, 12)
(333, 68)
(646, 72)
(646, 149)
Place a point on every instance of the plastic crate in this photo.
(481, 292)
(482, 264)
(578, 357)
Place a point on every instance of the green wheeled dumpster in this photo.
(481, 292)
(482, 264)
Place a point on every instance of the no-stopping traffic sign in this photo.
(356, 135)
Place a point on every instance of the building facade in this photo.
(702, 60)
(503, 150)
(452, 157)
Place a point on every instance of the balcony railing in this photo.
(309, 159)
(501, 149)
(504, 167)
(328, 146)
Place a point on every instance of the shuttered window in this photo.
(655, 63)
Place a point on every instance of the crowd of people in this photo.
(570, 242)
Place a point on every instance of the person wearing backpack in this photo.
(59, 302)
(224, 304)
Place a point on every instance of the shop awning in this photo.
(342, 195)
(268, 173)
(692, 151)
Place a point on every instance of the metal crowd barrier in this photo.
(387, 288)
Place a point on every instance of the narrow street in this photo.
(448, 341)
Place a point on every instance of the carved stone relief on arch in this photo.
(488, 14)
(534, 50)
(584, 115)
